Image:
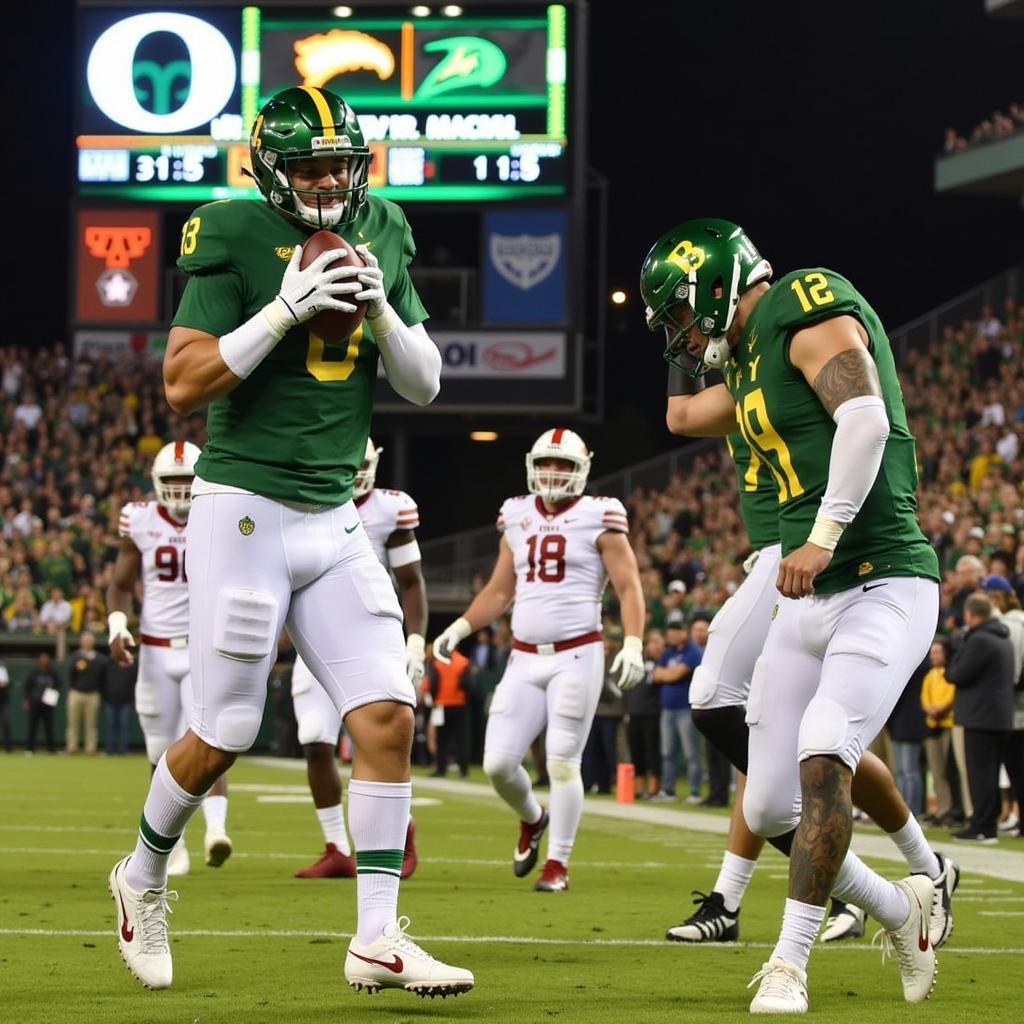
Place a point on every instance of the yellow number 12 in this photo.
(817, 285)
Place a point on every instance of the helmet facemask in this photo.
(346, 202)
(174, 493)
(366, 475)
(555, 485)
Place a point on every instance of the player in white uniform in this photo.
(153, 549)
(558, 550)
(389, 519)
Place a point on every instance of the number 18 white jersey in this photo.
(560, 576)
(161, 542)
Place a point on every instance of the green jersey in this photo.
(759, 504)
(296, 428)
(789, 429)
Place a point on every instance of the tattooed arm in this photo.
(834, 359)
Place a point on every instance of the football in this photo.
(334, 325)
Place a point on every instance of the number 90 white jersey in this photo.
(560, 576)
(161, 543)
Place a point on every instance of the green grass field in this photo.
(253, 944)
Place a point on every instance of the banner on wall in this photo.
(525, 257)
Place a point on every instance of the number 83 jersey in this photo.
(560, 575)
(161, 543)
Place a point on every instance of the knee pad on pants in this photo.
(823, 728)
(563, 745)
(314, 728)
(237, 727)
(703, 684)
(245, 624)
(156, 746)
(768, 811)
(563, 773)
(499, 765)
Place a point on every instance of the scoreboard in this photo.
(474, 107)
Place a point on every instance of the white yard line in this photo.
(480, 940)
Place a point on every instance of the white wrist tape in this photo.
(825, 533)
(117, 623)
(460, 628)
(415, 646)
(633, 643)
(247, 346)
(862, 429)
(404, 554)
(382, 323)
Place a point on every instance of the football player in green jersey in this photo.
(274, 538)
(811, 383)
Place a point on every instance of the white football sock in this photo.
(800, 924)
(215, 812)
(332, 822)
(914, 846)
(517, 792)
(164, 816)
(378, 815)
(566, 809)
(856, 883)
(733, 878)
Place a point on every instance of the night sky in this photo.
(815, 126)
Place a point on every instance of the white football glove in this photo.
(372, 279)
(117, 622)
(304, 293)
(629, 663)
(450, 639)
(415, 665)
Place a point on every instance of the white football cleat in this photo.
(395, 961)
(142, 929)
(940, 925)
(845, 922)
(217, 844)
(178, 862)
(911, 942)
(783, 988)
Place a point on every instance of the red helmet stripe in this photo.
(556, 437)
(179, 451)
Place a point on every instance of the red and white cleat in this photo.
(554, 877)
(333, 864)
(530, 836)
(142, 929)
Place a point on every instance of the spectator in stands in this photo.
(87, 678)
(55, 614)
(5, 709)
(41, 695)
(118, 704)
(642, 706)
(937, 695)
(678, 733)
(969, 570)
(982, 671)
(21, 614)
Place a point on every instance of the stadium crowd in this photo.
(998, 126)
(78, 436)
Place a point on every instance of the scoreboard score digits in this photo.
(465, 108)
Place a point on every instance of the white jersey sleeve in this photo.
(560, 575)
(161, 544)
(383, 511)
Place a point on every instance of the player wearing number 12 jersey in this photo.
(274, 538)
(558, 550)
(811, 382)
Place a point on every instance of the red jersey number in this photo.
(546, 558)
(169, 564)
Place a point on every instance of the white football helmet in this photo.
(554, 484)
(366, 475)
(176, 459)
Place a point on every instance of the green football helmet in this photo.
(692, 279)
(299, 124)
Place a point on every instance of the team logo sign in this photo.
(864, 568)
(246, 526)
(525, 260)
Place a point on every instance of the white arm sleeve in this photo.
(862, 429)
(411, 360)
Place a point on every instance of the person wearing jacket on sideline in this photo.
(981, 669)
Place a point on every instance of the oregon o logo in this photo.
(112, 72)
